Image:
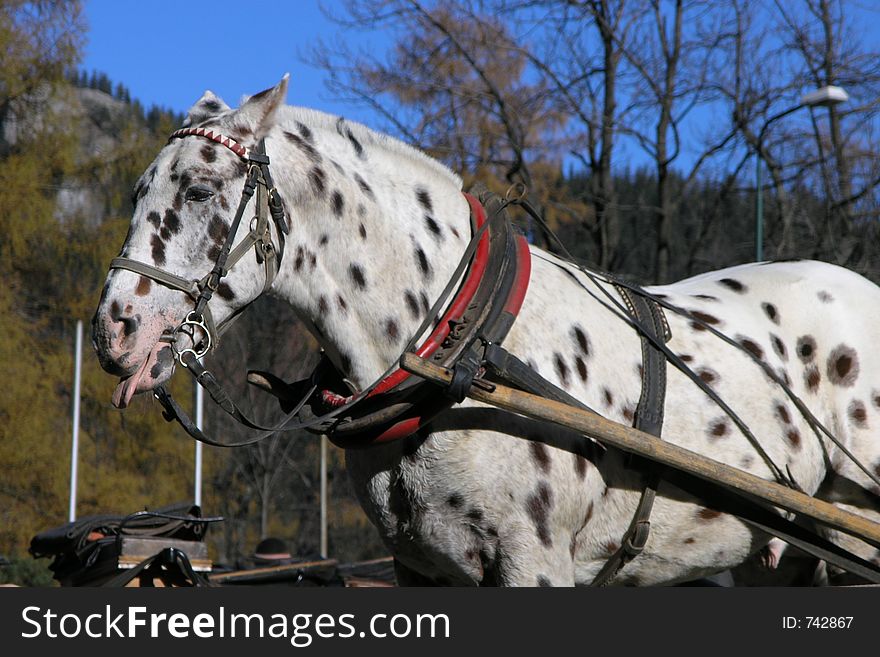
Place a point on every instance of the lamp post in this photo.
(823, 97)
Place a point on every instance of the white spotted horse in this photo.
(367, 239)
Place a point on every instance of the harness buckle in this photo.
(197, 322)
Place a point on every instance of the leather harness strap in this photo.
(648, 418)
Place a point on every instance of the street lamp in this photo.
(823, 97)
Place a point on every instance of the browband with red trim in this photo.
(223, 140)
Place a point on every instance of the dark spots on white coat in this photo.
(164, 360)
(412, 304)
(751, 346)
(157, 249)
(733, 284)
(706, 514)
(225, 292)
(771, 311)
(540, 455)
(858, 413)
(581, 367)
(718, 428)
(824, 296)
(778, 346)
(357, 276)
(338, 203)
(812, 378)
(538, 506)
(842, 367)
(701, 319)
(561, 368)
(707, 375)
(365, 187)
(581, 338)
(422, 261)
(143, 287)
(424, 199)
(806, 348)
(318, 181)
(304, 145)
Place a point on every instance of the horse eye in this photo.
(196, 193)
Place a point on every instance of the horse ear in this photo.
(207, 106)
(260, 109)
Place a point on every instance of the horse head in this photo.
(184, 206)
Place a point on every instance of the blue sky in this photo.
(168, 52)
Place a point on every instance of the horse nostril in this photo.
(129, 324)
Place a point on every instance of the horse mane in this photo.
(323, 121)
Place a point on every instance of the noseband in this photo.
(199, 324)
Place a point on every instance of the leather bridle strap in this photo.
(259, 237)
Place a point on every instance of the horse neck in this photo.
(377, 231)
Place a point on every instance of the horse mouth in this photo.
(156, 369)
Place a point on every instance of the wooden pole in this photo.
(648, 446)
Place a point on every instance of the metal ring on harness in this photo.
(198, 322)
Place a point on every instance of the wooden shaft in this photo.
(650, 447)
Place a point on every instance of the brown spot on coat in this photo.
(318, 180)
(338, 203)
(858, 413)
(733, 284)
(751, 346)
(540, 455)
(708, 376)
(357, 276)
(842, 367)
(812, 378)
(806, 348)
(794, 437)
(771, 312)
(782, 413)
(538, 507)
(582, 340)
(218, 229)
(412, 304)
(143, 286)
(704, 318)
(708, 514)
(581, 368)
(779, 346)
(561, 368)
(157, 247)
(225, 292)
(609, 397)
(718, 428)
(208, 153)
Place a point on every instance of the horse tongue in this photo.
(128, 385)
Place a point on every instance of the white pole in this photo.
(323, 496)
(74, 448)
(200, 422)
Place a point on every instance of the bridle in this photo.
(199, 323)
